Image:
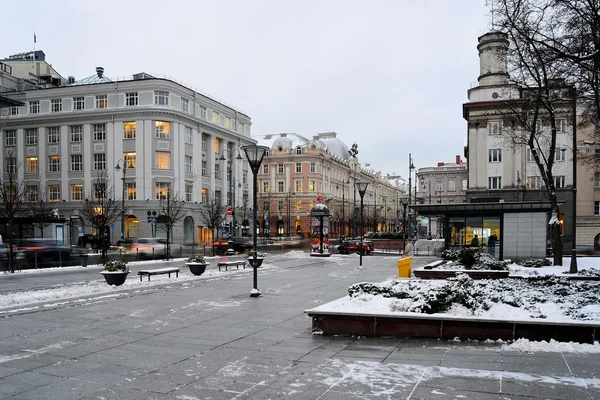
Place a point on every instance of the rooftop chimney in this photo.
(99, 71)
(458, 159)
(440, 164)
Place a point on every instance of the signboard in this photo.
(319, 198)
(229, 211)
(112, 226)
(151, 219)
(223, 229)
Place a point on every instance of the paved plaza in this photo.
(207, 339)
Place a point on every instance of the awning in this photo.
(466, 208)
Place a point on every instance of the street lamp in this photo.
(230, 250)
(410, 169)
(573, 266)
(118, 168)
(343, 207)
(255, 155)
(362, 188)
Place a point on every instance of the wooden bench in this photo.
(236, 264)
(434, 264)
(159, 271)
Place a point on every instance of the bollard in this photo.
(60, 258)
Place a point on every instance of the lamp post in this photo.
(362, 188)
(118, 168)
(255, 155)
(404, 205)
(231, 195)
(573, 266)
(410, 169)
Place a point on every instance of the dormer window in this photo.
(298, 150)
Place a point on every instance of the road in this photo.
(206, 338)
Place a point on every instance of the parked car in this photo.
(353, 246)
(38, 251)
(145, 247)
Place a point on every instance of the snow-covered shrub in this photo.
(467, 257)
(536, 263)
(451, 254)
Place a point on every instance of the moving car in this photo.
(353, 246)
(37, 251)
(145, 247)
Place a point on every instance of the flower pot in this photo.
(196, 268)
(116, 278)
(259, 261)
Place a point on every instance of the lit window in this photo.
(298, 186)
(78, 103)
(298, 205)
(204, 194)
(77, 192)
(100, 161)
(265, 187)
(215, 117)
(76, 133)
(99, 131)
(311, 204)
(494, 127)
(534, 182)
(56, 105)
(54, 192)
(76, 162)
(161, 98)
(129, 130)
(131, 191)
(101, 101)
(32, 165)
(131, 99)
(130, 160)
(11, 138)
(31, 136)
(162, 190)
(227, 123)
(53, 135)
(54, 164)
(162, 160)
(311, 186)
(162, 130)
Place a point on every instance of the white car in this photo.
(145, 247)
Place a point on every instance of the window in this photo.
(439, 186)
(11, 138)
(204, 138)
(54, 164)
(266, 205)
(204, 195)
(280, 205)
(34, 107)
(533, 182)
(298, 205)
(240, 127)
(313, 167)
(465, 184)
(597, 208)
(54, 135)
(529, 156)
(188, 164)
(538, 125)
(76, 133)
(244, 177)
(227, 123)
(280, 168)
(311, 204)
(561, 125)
(298, 186)
(298, 150)
(130, 191)
(100, 161)
(162, 190)
(218, 196)
(451, 186)
(32, 193)
(99, 191)
(311, 186)
(131, 99)
(101, 101)
(130, 159)
(14, 111)
(78, 103)
(187, 135)
(185, 105)
(162, 160)
(494, 127)
(559, 181)
(265, 168)
(266, 187)
(494, 182)
(161, 98)
(597, 179)
(99, 131)
(202, 112)
(215, 117)
(162, 130)
(298, 167)
(203, 168)
(76, 162)
(32, 165)
(188, 192)
(54, 192)
(56, 105)
(129, 130)
(560, 155)
(280, 187)
(76, 192)
(31, 136)
(495, 155)
(11, 165)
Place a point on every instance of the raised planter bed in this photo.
(450, 273)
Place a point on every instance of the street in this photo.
(206, 338)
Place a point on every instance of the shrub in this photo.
(197, 258)
(468, 256)
(451, 254)
(536, 262)
(116, 265)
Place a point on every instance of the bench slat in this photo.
(158, 271)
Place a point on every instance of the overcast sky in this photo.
(389, 75)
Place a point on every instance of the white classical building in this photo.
(170, 137)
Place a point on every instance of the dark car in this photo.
(43, 251)
(354, 246)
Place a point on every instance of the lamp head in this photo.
(362, 187)
(255, 155)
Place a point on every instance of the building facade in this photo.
(300, 172)
(172, 139)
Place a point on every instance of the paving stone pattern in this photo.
(207, 339)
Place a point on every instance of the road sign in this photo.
(154, 219)
(319, 198)
(223, 229)
(229, 211)
(112, 226)
(151, 219)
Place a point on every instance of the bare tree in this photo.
(211, 213)
(172, 210)
(12, 197)
(100, 209)
(41, 208)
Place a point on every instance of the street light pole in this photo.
(118, 167)
(362, 188)
(255, 155)
(573, 266)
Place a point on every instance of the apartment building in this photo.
(165, 137)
